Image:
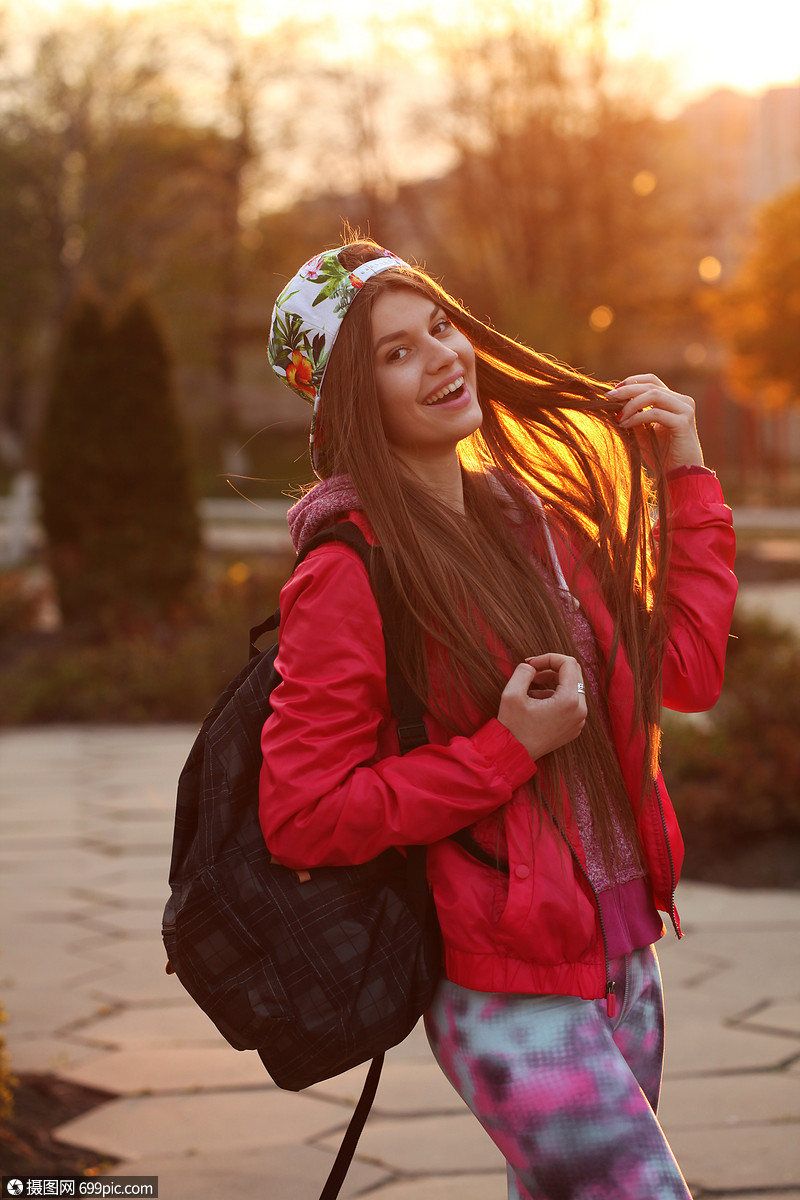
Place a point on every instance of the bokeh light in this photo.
(643, 183)
(239, 573)
(709, 269)
(695, 354)
(601, 317)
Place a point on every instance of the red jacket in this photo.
(334, 789)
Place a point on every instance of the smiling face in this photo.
(425, 376)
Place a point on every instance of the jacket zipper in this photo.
(611, 987)
(673, 912)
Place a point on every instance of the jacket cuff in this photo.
(695, 469)
(700, 485)
(505, 752)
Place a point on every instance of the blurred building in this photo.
(749, 148)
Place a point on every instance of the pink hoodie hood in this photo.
(327, 500)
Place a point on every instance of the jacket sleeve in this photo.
(328, 793)
(701, 591)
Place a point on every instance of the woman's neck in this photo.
(441, 476)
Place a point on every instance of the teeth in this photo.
(451, 387)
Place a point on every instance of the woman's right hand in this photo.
(556, 715)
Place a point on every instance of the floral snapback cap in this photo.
(308, 315)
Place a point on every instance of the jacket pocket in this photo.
(549, 916)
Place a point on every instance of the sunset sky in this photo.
(703, 43)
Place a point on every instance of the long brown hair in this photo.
(552, 430)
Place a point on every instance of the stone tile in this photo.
(42, 955)
(781, 1195)
(162, 1027)
(428, 1145)
(685, 965)
(415, 1048)
(123, 846)
(212, 1123)
(137, 891)
(729, 993)
(702, 905)
(134, 1072)
(782, 1017)
(94, 895)
(36, 1010)
(129, 984)
(131, 971)
(274, 1173)
(124, 923)
(58, 869)
(41, 833)
(112, 897)
(727, 1100)
(406, 1087)
(491, 1186)
(753, 1156)
(697, 1043)
(34, 1053)
(86, 819)
(759, 961)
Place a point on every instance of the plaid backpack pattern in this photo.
(316, 975)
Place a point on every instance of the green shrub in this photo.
(165, 673)
(734, 775)
(117, 506)
(7, 1081)
(19, 602)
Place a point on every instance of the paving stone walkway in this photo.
(86, 823)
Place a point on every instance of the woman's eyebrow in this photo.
(390, 337)
(403, 333)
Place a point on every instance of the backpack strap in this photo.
(255, 633)
(408, 709)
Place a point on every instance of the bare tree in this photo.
(247, 80)
(547, 222)
(88, 89)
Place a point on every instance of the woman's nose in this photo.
(440, 357)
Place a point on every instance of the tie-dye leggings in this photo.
(568, 1094)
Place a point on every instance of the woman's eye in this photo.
(441, 325)
(396, 354)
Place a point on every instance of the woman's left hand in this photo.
(647, 402)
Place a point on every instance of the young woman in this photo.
(545, 622)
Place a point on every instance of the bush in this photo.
(117, 505)
(167, 673)
(19, 602)
(7, 1081)
(734, 776)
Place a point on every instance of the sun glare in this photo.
(703, 43)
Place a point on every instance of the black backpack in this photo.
(316, 971)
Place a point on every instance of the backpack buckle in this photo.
(410, 734)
